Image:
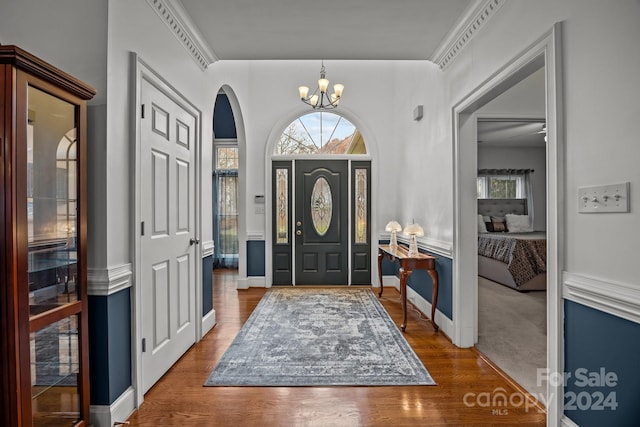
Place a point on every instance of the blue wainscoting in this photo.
(597, 342)
(255, 258)
(109, 346)
(207, 284)
(421, 282)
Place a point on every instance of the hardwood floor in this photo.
(468, 390)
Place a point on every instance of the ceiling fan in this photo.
(509, 129)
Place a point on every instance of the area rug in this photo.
(319, 337)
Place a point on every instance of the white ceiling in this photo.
(511, 133)
(325, 29)
(516, 117)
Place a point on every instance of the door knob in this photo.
(299, 233)
(299, 223)
(193, 241)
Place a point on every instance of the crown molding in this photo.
(185, 30)
(473, 19)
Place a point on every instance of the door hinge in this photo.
(144, 345)
(142, 110)
(142, 228)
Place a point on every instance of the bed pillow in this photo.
(482, 228)
(518, 223)
(498, 223)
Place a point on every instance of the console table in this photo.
(407, 265)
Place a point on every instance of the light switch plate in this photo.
(604, 198)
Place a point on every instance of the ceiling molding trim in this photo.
(183, 28)
(474, 18)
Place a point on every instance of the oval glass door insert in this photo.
(321, 206)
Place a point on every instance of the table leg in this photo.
(434, 297)
(380, 271)
(403, 297)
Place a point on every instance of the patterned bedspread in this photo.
(525, 254)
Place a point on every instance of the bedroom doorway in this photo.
(512, 199)
(511, 183)
(543, 54)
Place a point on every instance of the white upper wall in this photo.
(69, 34)
(134, 27)
(374, 100)
(601, 86)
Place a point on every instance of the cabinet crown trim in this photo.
(13, 55)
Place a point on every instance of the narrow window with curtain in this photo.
(225, 218)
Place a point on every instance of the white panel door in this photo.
(167, 249)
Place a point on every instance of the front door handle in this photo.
(299, 233)
(193, 241)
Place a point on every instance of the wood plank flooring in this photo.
(469, 391)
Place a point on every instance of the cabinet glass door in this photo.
(52, 231)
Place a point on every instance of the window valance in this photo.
(493, 172)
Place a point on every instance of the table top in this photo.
(402, 252)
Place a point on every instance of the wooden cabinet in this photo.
(43, 289)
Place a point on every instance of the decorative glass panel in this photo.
(55, 363)
(321, 206)
(52, 174)
(227, 157)
(282, 209)
(361, 206)
(321, 133)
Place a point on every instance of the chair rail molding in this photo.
(207, 248)
(184, 29)
(473, 20)
(619, 299)
(438, 247)
(107, 281)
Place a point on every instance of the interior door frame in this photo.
(142, 71)
(371, 156)
(547, 50)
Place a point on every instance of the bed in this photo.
(516, 260)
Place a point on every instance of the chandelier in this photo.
(322, 100)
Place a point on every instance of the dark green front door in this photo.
(321, 227)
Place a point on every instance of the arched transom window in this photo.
(320, 133)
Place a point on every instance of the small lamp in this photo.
(413, 230)
(393, 227)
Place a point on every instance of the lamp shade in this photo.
(337, 89)
(323, 84)
(393, 226)
(414, 230)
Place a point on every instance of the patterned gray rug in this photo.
(319, 337)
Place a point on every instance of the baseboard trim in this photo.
(242, 283)
(256, 281)
(118, 411)
(422, 305)
(618, 299)
(567, 422)
(208, 322)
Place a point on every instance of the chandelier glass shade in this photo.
(320, 99)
